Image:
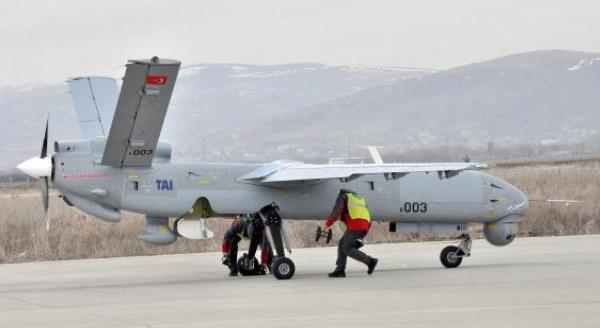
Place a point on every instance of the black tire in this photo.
(243, 270)
(318, 234)
(449, 257)
(283, 268)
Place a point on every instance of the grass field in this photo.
(23, 236)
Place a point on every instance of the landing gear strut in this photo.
(282, 267)
(451, 256)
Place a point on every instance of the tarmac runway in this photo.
(534, 282)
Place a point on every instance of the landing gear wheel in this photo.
(451, 256)
(244, 270)
(283, 268)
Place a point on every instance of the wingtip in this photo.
(484, 166)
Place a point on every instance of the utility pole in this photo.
(349, 146)
(203, 145)
(526, 138)
(203, 149)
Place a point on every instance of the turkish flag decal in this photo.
(156, 79)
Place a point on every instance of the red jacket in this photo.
(341, 211)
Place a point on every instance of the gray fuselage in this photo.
(171, 189)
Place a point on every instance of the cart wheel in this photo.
(318, 235)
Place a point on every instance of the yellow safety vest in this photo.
(357, 208)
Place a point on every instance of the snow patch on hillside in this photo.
(583, 63)
(267, 74)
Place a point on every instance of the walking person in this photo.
(351, 209)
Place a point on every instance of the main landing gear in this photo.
(282, 267)
(451, 256)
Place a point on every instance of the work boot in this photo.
(233, 273)
(337, 274)
(372, 264)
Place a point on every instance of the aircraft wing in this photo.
(289, 171)
(140, 112)
(95, 99)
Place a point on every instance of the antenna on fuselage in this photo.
(375, 154)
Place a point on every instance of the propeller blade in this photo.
(47, 221)
(44, 189)
(45, 144)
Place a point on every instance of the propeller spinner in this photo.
(40, 168)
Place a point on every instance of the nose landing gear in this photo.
(451, 256)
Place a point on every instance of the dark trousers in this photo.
(233, 250)
(266, 251)
(347, 247)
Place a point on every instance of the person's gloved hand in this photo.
(226, 260)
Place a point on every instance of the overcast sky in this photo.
(52, 40)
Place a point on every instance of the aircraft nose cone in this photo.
(36, 167)
(519, 203)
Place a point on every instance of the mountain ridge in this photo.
(263, 112)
